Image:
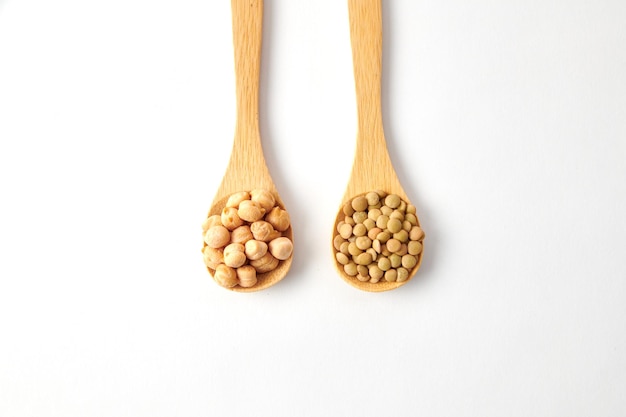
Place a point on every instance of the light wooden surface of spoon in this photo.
(247, 169)
(372, 168)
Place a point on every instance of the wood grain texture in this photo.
(372, 168)
(247, 169)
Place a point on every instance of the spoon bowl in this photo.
(372, 168)
(247, 169)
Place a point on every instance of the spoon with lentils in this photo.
(377, 237)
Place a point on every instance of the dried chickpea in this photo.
(242, 234)
(263, 198)
(230, 218)
(225, 276)
(265, 263)
(235, 259)
(236, 198)
(278, 218)
(250, 211)
(262, 230)
(233, 248)
(247, 276)
(255, 249)
(210, 221)
(281, 248)
(212, 257)
(217, 236)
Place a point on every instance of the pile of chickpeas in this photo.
(379, 238)
(246, 239)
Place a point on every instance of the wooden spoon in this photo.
(372, 168)
(247, 169)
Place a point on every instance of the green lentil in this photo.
(414, 247)
(394, 225)
(372, 198)
(342, 258)
(359, 230)
(363, 242)
(359, 203)
(384, 264)
(392, 200)
(395, 260)
(350, 269)
(403, 274)
(359, 216)
(391, 275)
(409, 261)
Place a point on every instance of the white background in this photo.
(506, 121)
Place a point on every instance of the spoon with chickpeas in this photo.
(377, 238)
(247, 233)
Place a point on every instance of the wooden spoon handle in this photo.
(247, 18)
(367, 44)
(372, 168)
(247, 169)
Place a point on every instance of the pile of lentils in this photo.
(379, 238)
(246, 239)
